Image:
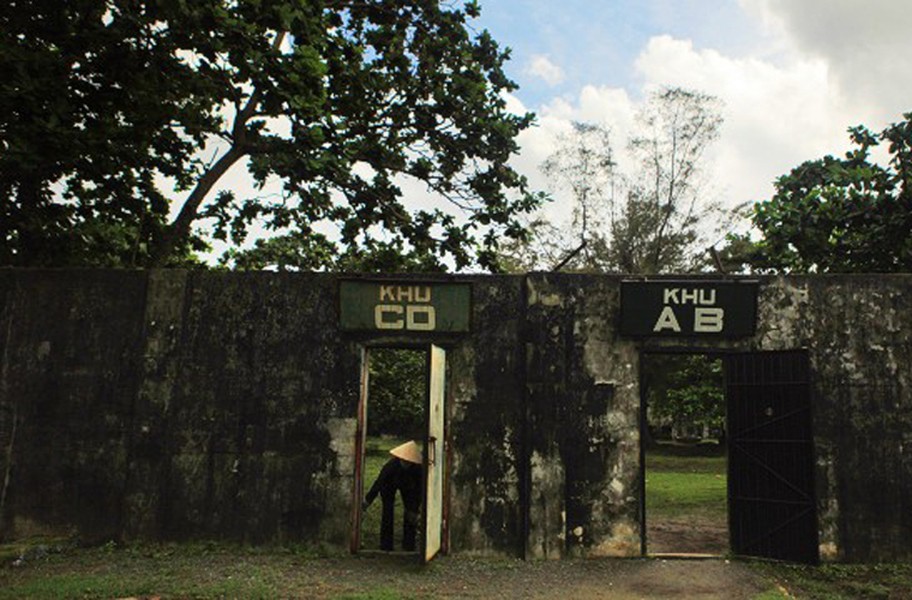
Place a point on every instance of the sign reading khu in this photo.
(688, 308)
(410, 306)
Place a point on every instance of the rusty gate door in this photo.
(434, 454)
(772, 506)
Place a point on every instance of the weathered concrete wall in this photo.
(173, 404)
(176, 404)
(584, 399)
(858, 331)
(486, 423)
(69, 356)
(583, 418)
(245, 419)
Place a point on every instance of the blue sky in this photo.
(598, 42)
(793, 74)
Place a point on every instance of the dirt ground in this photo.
(144, 575)
(693, 534)
(210, 571)
(619, 579)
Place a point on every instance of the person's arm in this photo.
(380, 482)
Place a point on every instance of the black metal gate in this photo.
(772, 508)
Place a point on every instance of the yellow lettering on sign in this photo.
(708, 320)
(389, 316)
(420, 318)
(405, 293)
(667, 320)
(397, 308)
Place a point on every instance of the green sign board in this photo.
(404, 306)
(721, 309)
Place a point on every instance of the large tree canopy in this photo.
(119, 118)
(839, 215)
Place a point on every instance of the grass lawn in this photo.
(680, 485)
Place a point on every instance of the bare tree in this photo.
(666, 201)
(584, 163)
(654, 218)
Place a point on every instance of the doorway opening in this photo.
(685, 455)
(394, 415)
(398, 502)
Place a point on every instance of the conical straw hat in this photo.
(408, 451)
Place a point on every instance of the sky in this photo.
(793, 75)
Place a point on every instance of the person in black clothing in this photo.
(401, 473)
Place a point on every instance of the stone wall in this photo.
(174, 404)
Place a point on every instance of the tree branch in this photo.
(179, 229)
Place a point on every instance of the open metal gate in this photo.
(772, 506)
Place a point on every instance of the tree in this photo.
(107, 105)
(839, 215)
(398, 382)
(649, 219)
(685, 392)
(666, 203)
(584, 163)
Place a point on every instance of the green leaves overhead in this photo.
(841, 215)
(132, 113)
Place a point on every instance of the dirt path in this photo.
(583, 579)
(693, 534)
(175, 573)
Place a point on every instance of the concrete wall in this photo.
(172, 404)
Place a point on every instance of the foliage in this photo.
(396, 403)
(665, 202)
(105, 106)
(685, 390)
(839, 215)
(645, 221)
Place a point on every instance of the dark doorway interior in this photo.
(685, 452)
(394, 415)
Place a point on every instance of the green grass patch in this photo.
(843, 582)
(681, 486)
(378, 594)
(681, 494)
(715, 465)
(773, 594)
(169, 571)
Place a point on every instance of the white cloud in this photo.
(776, 116)
(541, 66)
(611, 107)
(866, 45)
